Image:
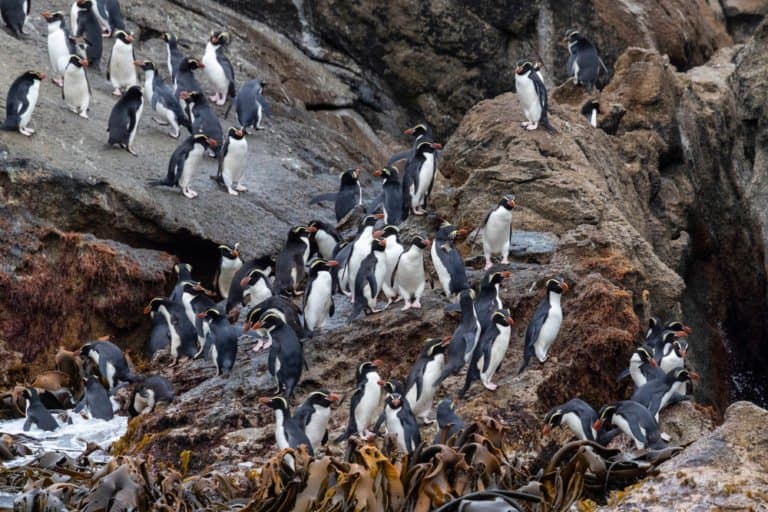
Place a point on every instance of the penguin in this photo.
(14, 14)
(232, 160)
(289, 433)
(634, 420)
(365, 400)
(76, 90)
(60, 46)
(218, 68)
(36, 412)
(674, 357)
(324, 240)
(544, 324)
(642, 367)
(88, 26)
(250, 105)
(533, 96)
(395, 209)
(195, 300)
(464, 339)
(422, 381)
(318, 298)
(368, 281)
(313, 415)
(657, 394)
(203, 119)
(184, 163)
(488, 299)
(229, 263)
(401, 422)
(419, 175)
(419, 132)
(96, 399)
(160, 96)
(110, 361)
(121, 68)
(174, 56)
(21, 102)
(497, 230)
(255, 288)
(286, 357)
(590, 110)
(159, 337)
(490, 351)
(112, 14)
(124, 119)
(580, 418)
(671, 331)
(447, 261)
(408, 276)
(287, 311)
(149, 392)
(584, 64)
(69, 363)
(182, 332)
(184, 79)
(349, 196)
(361, 248)
(183, 275)
(222, 340)
(236, 296)
(289, 269)
(391, 255)
(448, 422)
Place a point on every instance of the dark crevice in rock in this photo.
(327, 106)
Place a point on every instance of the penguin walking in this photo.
(580, 418)
(149, 392)
(251, 108)
(183, 273)
(36, 412)
(110, 361)
(368, 281)
(408, 276)
(229, 263)
(160, 96)
(361, 248)
(182, 332)
(14, 14)
(124, 119)
(184, 80)
(545, 323)
(657, 394)
(184, 163)
(349, 196)
(289, 432)
(88, 26)
(584, 64)
(324, 240)
(448, 422)
(60, 46)
(635, 421)
(121, 68)
(447, 261)
(21, 102)
(313, 415)
(203, 119)
(395, 209)
(423, 378)
(464, 339)
(318, 298)
(112, 15)
(289, 269)
(286, 356)
(392, 254)
(285, 309)
(232, 160)
(76, 90)
(419, 175)
(365, 400)
(497, 230)
(401, 422)
(174, 56)
(96, 399)
(222, 339)
(490, 351)
(218, 68)
(533, 96)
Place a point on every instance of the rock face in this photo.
(722, 469)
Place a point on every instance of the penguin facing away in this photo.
(533, 96)
(96, 399)
(449, 423)
(88, 25)
(251, 108)
(124, 119)
(294, 256)
(286, 357)
(448, 262)
(545, 323)
(368, 281)
(36, 412)
(14, 14)
(174, 55)
(584, 64)
(349, 196)
(222, 339)
(110, 361)
(203, 119)
(21, 102)
(76, 90)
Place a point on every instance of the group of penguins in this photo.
(180, 103)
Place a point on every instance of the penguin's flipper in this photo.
(638, 433)
(320, 198)
(332, 310)
(526, 359)
(27, 424)
(374, 204)
(80, 405)
(623, 375)
(356, 310)
(372, 283)
(451, 308)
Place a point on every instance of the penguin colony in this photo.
(316, 264)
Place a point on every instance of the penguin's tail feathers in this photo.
(11, 124)
(526, 360)
(159, 183)
(547, 125)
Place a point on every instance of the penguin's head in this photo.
(192, 287)
(204, 140)
(671, 336)
(676, 325)
(319, 225)
(367, 367)
(386, 173)
(84, 4)
(421, 242)
(500, 318)
(552, 419)
(508, 201)
(392, 386)
(524, 67)
(134, 91)
(180, 268)
(192, 64)
(557, 285)
(683, 375)
(124, 36)
(434, 346)
(681, 348)
(235, 133)
(494, 278)
(154, 304)
(387, 231)
(220, 38)
(75, 60)
(427, 146)
(211, 314)
(169, 37)
(230, 253)
(417, 131)
(645, 356)
(252, 278)
(323, 398)
(351, 176)
(268, 321)
(572, 36)
(653, 323)
(145, 65)
(320, 265)
(605, 416)
(445, 407)
(394, 400)
(370, 220)
(466, 297)
(378, 244)
(34, 75)
(299, 232)
(277, 403)
(53, 17)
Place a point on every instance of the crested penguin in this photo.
(365, 400)
(448, 422)
(255, 288)
(222, 339)
(419, 132)
(465, 337)
(361, 248)
(318, 297)
(447, 260)
(635, 421)
(544, 324)
(250, 106)
(184, 79)
(21, 102)
(642, 367)
(124, 119)
(148, 392)
(657, 394)
(109, 360)
(218, 68)
(422, 381)
(313, 415)
(96, 399)
(121, 68)
(590, 110)
(674, 356)
(14, 14)
(497, 230)
(286, 356)
(174, 56)
(203, 119)
(88, 25)
(419, 175)
(392, 254)
(488, 299)
(490, 351)
(286, 309)
(292, 260)
(232, 161)
(580, 418)
(235, 297)
(324, 240)
(584, 64)
(60, 45)
(184, 163)
(349, 196)
(183, 273)
(182, 332)
(229, 263)
(533, 96)
(408, 276)
(289, 432)
(395, 210)
(76, 90)
(368, 280)
(671, 331)
(401, 422)
(36, 412)
(160, 96)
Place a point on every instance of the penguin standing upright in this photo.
(110, 361)
(395, 209)
(229, 263)
(313, 414)
(419, 132)
(174, 56)
(545, 323)
(160, 96)
(182, 332)
(674, 357)
(250, 106)
(447, 261)
(254, 289)
(391, 255)
(76, 90)
(232, 160)
(448, 422)
(203, 119)
(195, 300)
(96, 399)
(222, 339)
(360, 249)
(121, 69)
(89, 27)
(533, 96)
(419, 175)
(408, 276)
(349, 196)
(497, 230)
(124, 119)
(148, 392)
(401, 422)
(218, 68)
(289, 432)
(490, 351)
(183, 276)
(422, 381)
(318, 297)
(324, 240)
(14, 14)
(184, 78)
(21, 102)
(365, 400)
(286, 356)
(488, 299)
(60, 46)
(584, 64)
(368, 281)
(36, 412)
(634, 420)
(184, 163)
(291, 262)
(465, 337)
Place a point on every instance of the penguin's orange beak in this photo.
(461, 233)
(381, 383)
(396, 402)
(247, 327)
(257, 325)
(653, 362)
(506, 274)
(377, 172)
(510, 321)
(264, 400)
(240, 132)
(214, 39)
(511, 203)
(201, 315)
(236, 253)
(200, 65)
(546, 429)
(129, 39)
(84, 63)
(694, 375)
(312, 229)
(436, 145)
(446, 341)
(244, 282)
(564, 286)
(42, 76)
(378, 233)
(138, 63)
(681, 334)
(597, 424)
(428, 243)
(377, 362)
(687, 329)
(45, 14)
(212, 143)
(409, 131)
(518, 70)
(383, 243)
(378, 215)
(184, 95)
(332, 263)
(333, 397)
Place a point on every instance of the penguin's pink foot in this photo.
(116, 92)
(58, 81)
(505, 261)
(525, 124)
(241, 188)
(406, 307)
(491, 386)
(416, 304)
(532, 126)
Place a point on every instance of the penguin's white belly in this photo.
(442, 271)
(410, 273)
(76, 88)
(573, 422)
(318, 303)
(280, 437)
(233, 166)
(391, 254)
(317, 427)
(214, 71)
(257, 293)
(186, 299)
(548, 333)
(122, 71)
(73, 14)
(228, 266)
(136, 125)
(61, 64)
(496, 232)
(394, 426)
(32, 95)
(671, 361)
(359, 251)
(190, 168)
(215, 357)
(110, 373)
(426, 176)
(380, 271)
(57, 50)
(432, 372)
(366, 409)
(621, 422)
(142, 404)
(529, 99)
(325, 244)
(498, 350)
(637, 374)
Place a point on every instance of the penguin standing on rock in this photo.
(232, 160)
(254, 288)
(218, 68)
(419, 132)
(121, 70)
(250, 106)
(634, 420)
(580, 418)
(229, 263)
(533, 96)
(490, 351)
(361, 248)
(448, 422)
(402, 423)
(36, 412)
(289, 432)
(148, 392)
(408, 276)
(584, 64)
(545, 323)
(292, 260)
(21, 102)
(285, 309)
(395, 209)
(110, 11)
(88, 25)
(313, 415)
(658, 393)
(60, 46)
(465, 337)
(318, 298)
(222, 340)
(368, 281)
(447, 260)
(365, 400)
(76, 90)
(110, 361)
(392, 254)
(419, 175)
(349, 196)
(237, 288)
(160, 96)
(182, 332)
(497, 230)
(174, 56)
(14, 14)
(422, 381)
(286, 356)
(203, 119)
(184, 163)
(124, 119)
(96, 399)
(323, 241)
(488, 299)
